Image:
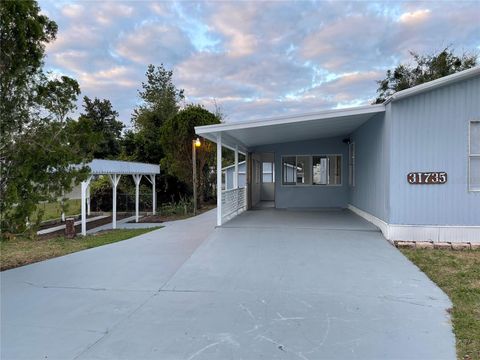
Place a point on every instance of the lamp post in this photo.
(195, 143)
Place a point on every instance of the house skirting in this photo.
(435, 233)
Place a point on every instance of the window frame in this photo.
(471, 156)
(311, 163)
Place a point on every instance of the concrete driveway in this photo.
(269, 284)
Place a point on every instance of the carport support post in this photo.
(219, 179)
(235, 178)
(115, 178)
(137, 178)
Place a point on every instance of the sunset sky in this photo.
(254, 59)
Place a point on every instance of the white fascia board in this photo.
(462, 75)
(227, 141)
(326, 114)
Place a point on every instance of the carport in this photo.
(321, 137)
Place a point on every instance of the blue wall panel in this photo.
(370, 192)
(312, 196)
(430, 133)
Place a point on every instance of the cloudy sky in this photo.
(253, 59)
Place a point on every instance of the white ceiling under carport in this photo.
(329, 123)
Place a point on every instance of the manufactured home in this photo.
(411, 165)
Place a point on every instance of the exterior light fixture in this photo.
(197, 142)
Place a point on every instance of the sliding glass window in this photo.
(312, 170)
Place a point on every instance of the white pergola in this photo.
(115, 169)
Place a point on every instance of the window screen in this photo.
(289, 172)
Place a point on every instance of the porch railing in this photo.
(234, 202)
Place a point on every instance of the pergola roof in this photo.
(329, 123)
(105, 167)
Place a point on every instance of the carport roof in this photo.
(322, 124)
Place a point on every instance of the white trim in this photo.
(471, 156)
(382, 225)
(325, 114)
(219, 179)
(462, 75)
(435, 233)
(233, 165)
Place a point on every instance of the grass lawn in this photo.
(22, 251)
(53, 211)
(458, 274)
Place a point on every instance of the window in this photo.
(351, 164)
(474, 156)
(268, 172)
(312, 170)
(289, 172)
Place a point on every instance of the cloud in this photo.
(415, 16)
(153, 43)
(254, 58)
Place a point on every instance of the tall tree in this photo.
(160, 101)
(425, 68)
(177, 134)
(35, 155)
(100, 118)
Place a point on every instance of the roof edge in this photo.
(443, 81)
(359, 110)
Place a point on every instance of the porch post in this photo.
(219, 179)
(136, 179)
(114, 180)
(235, 178)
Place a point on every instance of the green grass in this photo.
(458, 274)
(22, 251)
(53, 210)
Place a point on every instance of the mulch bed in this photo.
(159, 218)
(78, 228)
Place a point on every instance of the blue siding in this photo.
(430, 133)
(309, 196)
(371, 192)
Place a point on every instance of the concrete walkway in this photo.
(267, 285)
(58, 309)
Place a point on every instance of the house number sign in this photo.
(427, 178)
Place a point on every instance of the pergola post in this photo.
(84, 187)
(235, 178)
(136, 179)
(88, 201)
(154, 195)
(219, 179)
(115, 178)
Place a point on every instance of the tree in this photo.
(36, 157)
(160, 101)
(177, 134)
(425, 68)
(100, 118)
